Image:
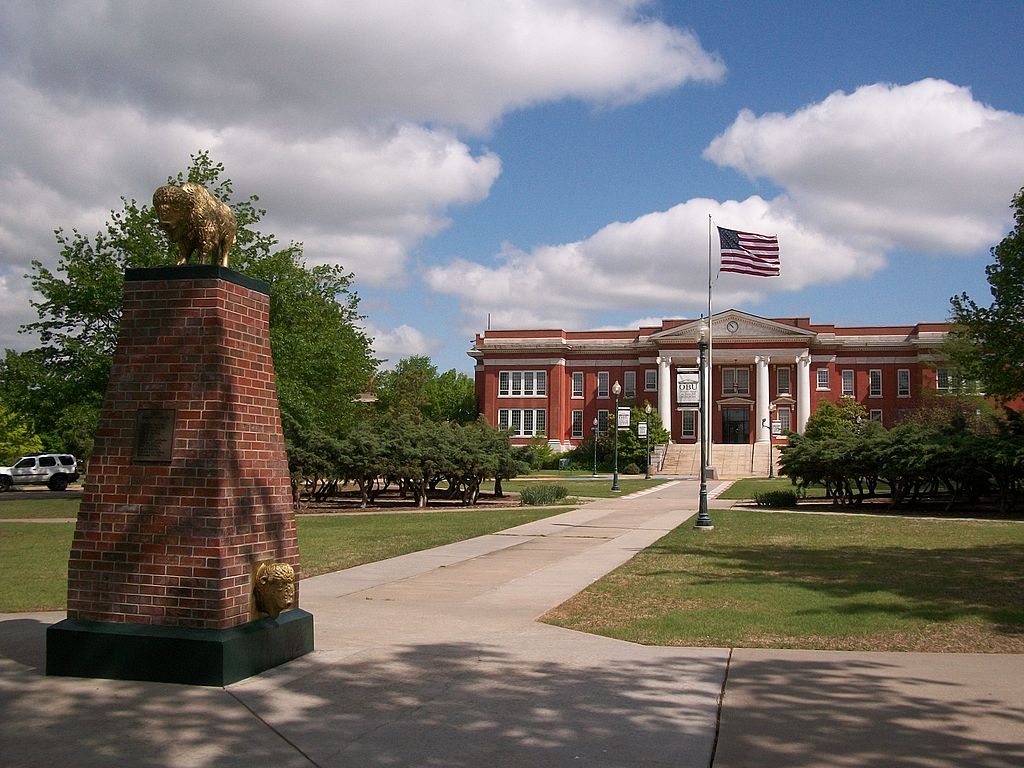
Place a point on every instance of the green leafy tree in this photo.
(321, 356)
(16, 436)
(415, 389)
(989, 341)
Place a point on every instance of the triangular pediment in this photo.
(733, 324)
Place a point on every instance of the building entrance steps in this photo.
(731, 462)
(436, 659)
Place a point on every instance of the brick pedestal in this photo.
(188, 485)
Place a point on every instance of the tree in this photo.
(415, 389)
(322, 358)
(16, 436)
(994, 335)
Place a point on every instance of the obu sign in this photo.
(687, 389)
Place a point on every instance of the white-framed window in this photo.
(689, 423)
(602, 384)
(784, 415)
(602, 421)
(943, 379)
(651, 380)
(875, 414)
(735, 381)
(577, 423)
(823, 379)
(847, 376)
(577, 384)
(782, 381)
(903, 382)
(522, 383)
(523, 422)
(629, 384)
(875, 382)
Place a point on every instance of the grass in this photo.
(38, 552)
(784, 580)
(749, 487)
(600, 487)
(332, 543)
(38, 508)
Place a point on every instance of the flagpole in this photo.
(707, 374)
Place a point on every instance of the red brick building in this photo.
(763, 370)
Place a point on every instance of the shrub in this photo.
(548, 493)
(632, 469)
(776, 499)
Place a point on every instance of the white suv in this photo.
(54, 470)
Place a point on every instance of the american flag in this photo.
(748, 253)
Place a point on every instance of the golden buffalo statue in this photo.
(195, 221)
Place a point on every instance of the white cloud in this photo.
(656, 260)
(918, 167)
(341, 117)
(400, 342)
(308, 69)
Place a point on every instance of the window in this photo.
(28, 463)
(782, 385)
(848, 388)
(823, 382)
(602, 384)
(47, 461)
(522, 383)
(629, 384)
(875, 414)
(602, 422)
(689, 423)
(524, 422)
(651, 380)
(943, 379)
(785, 418)
(577, 384)
(577, 423)
(735, 381)
(903, 382)
(875, 382)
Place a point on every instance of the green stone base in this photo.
(76, 648)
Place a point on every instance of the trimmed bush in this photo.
(548, 493)
(776, 499)
(632, 469)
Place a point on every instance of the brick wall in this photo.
(175, 515)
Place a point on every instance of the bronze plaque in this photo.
(154, 434)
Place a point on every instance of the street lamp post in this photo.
(771, 439)
(596, 422)
(616, 390)
(703, 519)
(647, 410)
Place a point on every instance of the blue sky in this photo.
(545, 164)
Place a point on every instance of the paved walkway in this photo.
(435, 659)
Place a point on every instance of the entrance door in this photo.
(736, 426)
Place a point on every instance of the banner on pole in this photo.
(623, 417)
(687, 388)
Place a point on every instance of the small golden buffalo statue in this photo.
(274, 588)
(196, 221)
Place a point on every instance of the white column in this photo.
(665, 388)
(764, 429)
(803, 391)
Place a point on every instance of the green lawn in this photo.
(817, 581)
(600, 487)
(748, 487)
(38, 552)
(35, 557)
(38, 508)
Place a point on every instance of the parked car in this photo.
(54, 470)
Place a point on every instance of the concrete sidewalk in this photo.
(435, 659)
